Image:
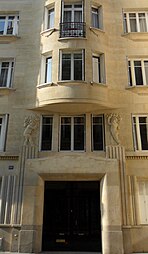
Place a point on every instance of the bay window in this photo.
(72, 133)
(140, 131)
(72, 66)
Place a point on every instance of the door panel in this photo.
(72, 216)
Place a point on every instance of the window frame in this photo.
(92, 133)
(41, 133)
(10, 74)
(47, 70)
(136, 132)
(126, 21)
(72, 133)
(72, 64)
(16, 24)
(132, 76)
(72, 9)
(3, 131)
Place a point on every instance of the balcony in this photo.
(72, 29)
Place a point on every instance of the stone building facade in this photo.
(74, 126)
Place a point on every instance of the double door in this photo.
(72, 216)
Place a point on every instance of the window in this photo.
(3, 127)
(48, 74)
(97, 133)
(72, 24)
(6, 73)
(50, 18)
(143, 201)
(72, 66)
(72, 133)
(98, 68)
(46, 136)
(97, 17)
(135, 22)
(140, 131)
(138, 72)
(9, 24)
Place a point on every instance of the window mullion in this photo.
(138, 134)
(72, 133)
(72, 66)
(128, 23)
(143, 72)
(133, 73)
(137, 22)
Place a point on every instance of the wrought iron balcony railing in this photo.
(72, 29)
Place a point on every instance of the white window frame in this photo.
(72, 63)
(47, 70)
(143, 201)
(16, 24)
(41, 130)
(3, 131)
(72, 134)
(127, 20)
(10, 71)
(137, 136)
(133, 76)
(72, 9)
(101, 75)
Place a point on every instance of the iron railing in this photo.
(72, 29)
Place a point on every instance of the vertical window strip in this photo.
(46, 133)
(48, 74)
(97, 133)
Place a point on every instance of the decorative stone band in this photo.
(141, 157)
(9, 158)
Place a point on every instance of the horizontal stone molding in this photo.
(9, 157)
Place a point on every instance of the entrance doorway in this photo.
(72, 218)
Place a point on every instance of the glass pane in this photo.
(67, 16)
(51, 18)
(4, 74)
(77, 66)
(135, 133)
(98, 133)
(95, 18)
(96, 70)
(138, 73)
(78, 16)
(10, 26)
(125, 24)
(2, 26)
(144, 132)
(46, 133)
(48, 77)
(130, 74)
(65, 143)
(66, 67)
(79, 133)
(146, 71)
(133, 23)
(142, 22)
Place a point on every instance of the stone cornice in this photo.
(9, 157)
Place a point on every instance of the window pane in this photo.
(144, 132)
(79, 133)
(4, 74)
(2, 25)
(47, 133)
(78, 16)
(51, 18)
(48, 77)
(146, 71)
(130, 74)
(138, 73)
(133, 23)
(77, 66)
(125, 23)
(96, 70)
(98, 133)
(65, 142)
(135, 133)
(10, 27)
(66, 66)
(67, 16)
(142, 22)
(95, 18)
